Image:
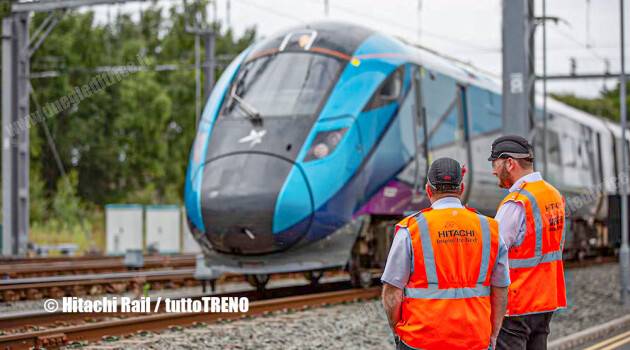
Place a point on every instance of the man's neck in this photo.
(520, 175)
(437, 197)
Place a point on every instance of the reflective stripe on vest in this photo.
(433, 292)
(539, 257)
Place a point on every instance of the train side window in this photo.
(570, 148)
(388, 92)
(553, 146)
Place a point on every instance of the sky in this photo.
(468, 30)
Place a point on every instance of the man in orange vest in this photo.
(446, 277)
(532, 222)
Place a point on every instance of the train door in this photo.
(466, 138)
(403, 144)
(420, 134)
(599, 176)
(442, 99)
(447, 119)
(412, 136)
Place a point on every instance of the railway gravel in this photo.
(593, 298)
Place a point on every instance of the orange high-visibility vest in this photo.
(446, 303)
(536, 268)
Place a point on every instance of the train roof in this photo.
(461, 71)
(557, 107)
(345, 37)
(469, 74)
(336, 36)
(614, 128)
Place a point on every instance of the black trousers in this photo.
(402, 346)
(527, 332)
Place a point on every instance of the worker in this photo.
(446, 277)
(531, 222)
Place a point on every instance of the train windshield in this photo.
(287, 84)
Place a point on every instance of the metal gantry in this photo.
(15, 135)
(518, 101)
(200, 28)
(17, 50)
(624, 252)
(518, 66)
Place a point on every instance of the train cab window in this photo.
(388, 92)
(289, 84)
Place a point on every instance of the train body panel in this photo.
(311, 134)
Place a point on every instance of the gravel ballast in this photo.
(593, 296)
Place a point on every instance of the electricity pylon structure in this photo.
(18, 46)
(518, 66)
(519, 108)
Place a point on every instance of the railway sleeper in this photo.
(56, 293)
(34, 294)
(10, 295)
(96, 289)
(116, 288)
(51, 341)
(78, 291)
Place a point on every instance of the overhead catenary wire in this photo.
(580, 43)
(411, 29)
(271, 10)
(49, 138)
(53, 149)
(406, 28)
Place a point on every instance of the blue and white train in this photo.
(314, 141)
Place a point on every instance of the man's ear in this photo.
(461, 190)
(428, 189)
(512, 164)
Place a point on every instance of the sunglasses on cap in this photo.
(504, 155)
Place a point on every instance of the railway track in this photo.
(574, 264)
(171, 277)
(93, 284)
(39, 267)
(45, 329)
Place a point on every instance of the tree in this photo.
(128, 141)
(606, 105)
(136, 133)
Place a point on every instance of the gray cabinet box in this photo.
(123, 225)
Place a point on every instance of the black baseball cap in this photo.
(445, 171)
(511, 146)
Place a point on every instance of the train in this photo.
(315, 141)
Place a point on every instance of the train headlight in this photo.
(324, 144)
(321, 150)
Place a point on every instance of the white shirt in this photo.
(511, 215)
(447, 202)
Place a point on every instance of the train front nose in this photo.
(240, 195)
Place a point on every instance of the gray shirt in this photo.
(398, 266)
